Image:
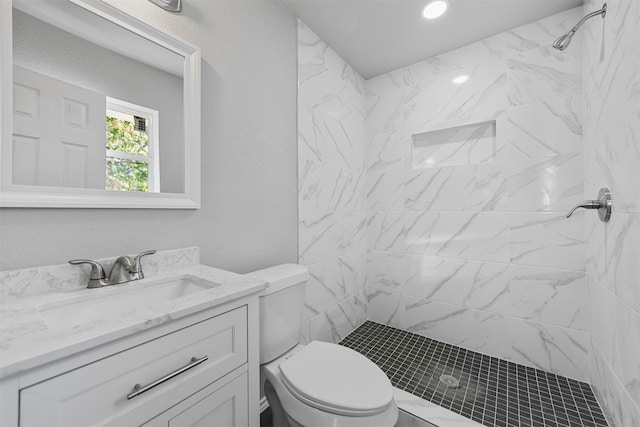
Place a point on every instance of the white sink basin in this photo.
(114, 303)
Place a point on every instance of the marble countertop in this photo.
(27, 341)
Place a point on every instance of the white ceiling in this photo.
(376, 36)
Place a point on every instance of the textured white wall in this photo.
(248, 218)
(611, 69)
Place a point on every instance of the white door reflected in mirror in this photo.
(57, 131)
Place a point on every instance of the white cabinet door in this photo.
(58, 132)
(226, 406)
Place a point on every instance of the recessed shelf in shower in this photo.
(454, 146)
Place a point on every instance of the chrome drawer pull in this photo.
(138, 389)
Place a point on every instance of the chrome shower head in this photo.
(170, 5)
(562, 42)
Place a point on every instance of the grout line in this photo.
(494, 389)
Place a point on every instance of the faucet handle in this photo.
(97, 272)
(97, 276)
(137, 265)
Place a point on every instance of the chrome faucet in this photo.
(125, 269)
(603, 204)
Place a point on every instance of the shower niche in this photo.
(454, 146)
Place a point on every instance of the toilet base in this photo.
(280, 398)
(279, 416)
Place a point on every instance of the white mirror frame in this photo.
(12, 195)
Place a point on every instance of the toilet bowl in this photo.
(323, 384)
(319, 384)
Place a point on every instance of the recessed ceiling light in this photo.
(460, 79)
(435, 9)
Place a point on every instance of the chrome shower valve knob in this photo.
(603, 205)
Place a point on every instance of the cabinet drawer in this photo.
(96, 394)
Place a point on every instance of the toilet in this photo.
(319, 384)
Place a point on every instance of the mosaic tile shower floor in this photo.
(491, 391)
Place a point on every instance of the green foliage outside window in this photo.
(125, 174)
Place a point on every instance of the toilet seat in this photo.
(337, 380)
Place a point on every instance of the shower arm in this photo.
(602, 12)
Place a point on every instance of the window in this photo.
(132, 147)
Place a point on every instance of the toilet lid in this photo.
(336, 379)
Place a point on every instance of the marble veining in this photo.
(385, 133)
(547, 240)
(611, 130)
(325, 235)
(540, 345)
(615, 159)
(456, 325)
(386, 231)
(468, 227)
(543, 73)
(338, 321)
(611, 65)
(333, 187)
(555, 297)
(387, 270)
(384, 190)
(324, 187)
(628, 325)
(482, 100)
(618, 406)
(603, 307)
(430, 411)
(386, 307)
(548, 128)
(552, 184)
(544, 31)
(333, 281)
(622, 269)
(477, 235)
(66, 277)
(465, 283)
(28, 341)
(456, 188)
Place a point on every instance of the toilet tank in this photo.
(281, 305)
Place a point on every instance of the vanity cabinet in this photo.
(198, 371)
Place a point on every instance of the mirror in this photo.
(102, 109)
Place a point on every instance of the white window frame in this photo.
(153, 133)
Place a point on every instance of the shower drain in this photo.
(449, 381)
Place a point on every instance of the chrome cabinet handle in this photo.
(138, 389)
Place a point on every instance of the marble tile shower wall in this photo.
(332, 221)
(467, 240)
(611, 72)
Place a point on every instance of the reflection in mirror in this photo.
(92, 116)
(99, 109)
